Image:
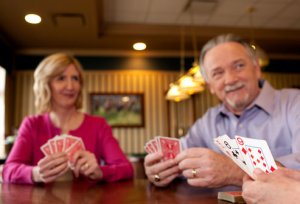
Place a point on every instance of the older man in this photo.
(250, 108)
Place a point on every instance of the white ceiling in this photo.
(282, 14)
(109, 27)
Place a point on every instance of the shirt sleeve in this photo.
(293, 118)
(201, 134)
(18, 166)
(116, 165)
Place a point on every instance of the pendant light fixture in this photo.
(261, 55)
(193, 82)
(175, 92)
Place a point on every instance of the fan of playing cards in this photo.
(63, 143)
(169, 147)
(247, 153)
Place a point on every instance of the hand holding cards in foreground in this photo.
(169, 147)
(63, 143)
(247, 153)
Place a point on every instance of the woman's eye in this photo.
(75, 78)
(60, 78)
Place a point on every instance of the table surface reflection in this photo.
(131, 191)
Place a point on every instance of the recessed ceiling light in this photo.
(33, 18)
(139, 46)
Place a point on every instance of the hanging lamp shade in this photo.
(198, 77)
(176, 94)
(196, 73)
(189, 85)
(261, 55)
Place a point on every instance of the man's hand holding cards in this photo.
(169, 147)
(247, 153)
(63, 143)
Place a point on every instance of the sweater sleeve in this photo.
(116, 165)
(18, 166)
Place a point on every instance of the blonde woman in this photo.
(58, 84)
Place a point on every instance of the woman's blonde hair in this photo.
(50, 67)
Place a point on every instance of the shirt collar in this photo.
(264, 100)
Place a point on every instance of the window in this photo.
(2, 109)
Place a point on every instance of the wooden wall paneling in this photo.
(9, 105)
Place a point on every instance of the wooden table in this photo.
(132, 191)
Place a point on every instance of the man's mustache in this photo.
(233, 87)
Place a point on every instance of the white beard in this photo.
(240, 104)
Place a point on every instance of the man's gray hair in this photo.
(223, 39)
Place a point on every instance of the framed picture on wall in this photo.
(119, 109)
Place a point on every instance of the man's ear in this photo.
(212, 91)
(257, 69)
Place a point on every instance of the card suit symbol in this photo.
(259, 151)
(249, 149)
(262, 158)
(171, 156)
(244, 150)
(254, 163)
(272, 168)
(235, 154)
(252, 156)
(258, 161)
(264, 164)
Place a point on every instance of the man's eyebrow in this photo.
(216, 69)
(238, 60)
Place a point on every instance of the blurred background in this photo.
(101, 34)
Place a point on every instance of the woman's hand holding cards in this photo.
(85, 163)
(76, 158)
(50, 168)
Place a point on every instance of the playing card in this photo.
(219, 141)
(147, 149)
(60, 143)
(231, 149)
(231, 196)
(69, 141)
(170, 147)
(257, 152)
(150, 147)
(154, 144)
(52, 145)
(72, 150)
(46, 149)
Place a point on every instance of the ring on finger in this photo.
(156, 178)
(194, 173)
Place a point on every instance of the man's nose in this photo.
(230, 77)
